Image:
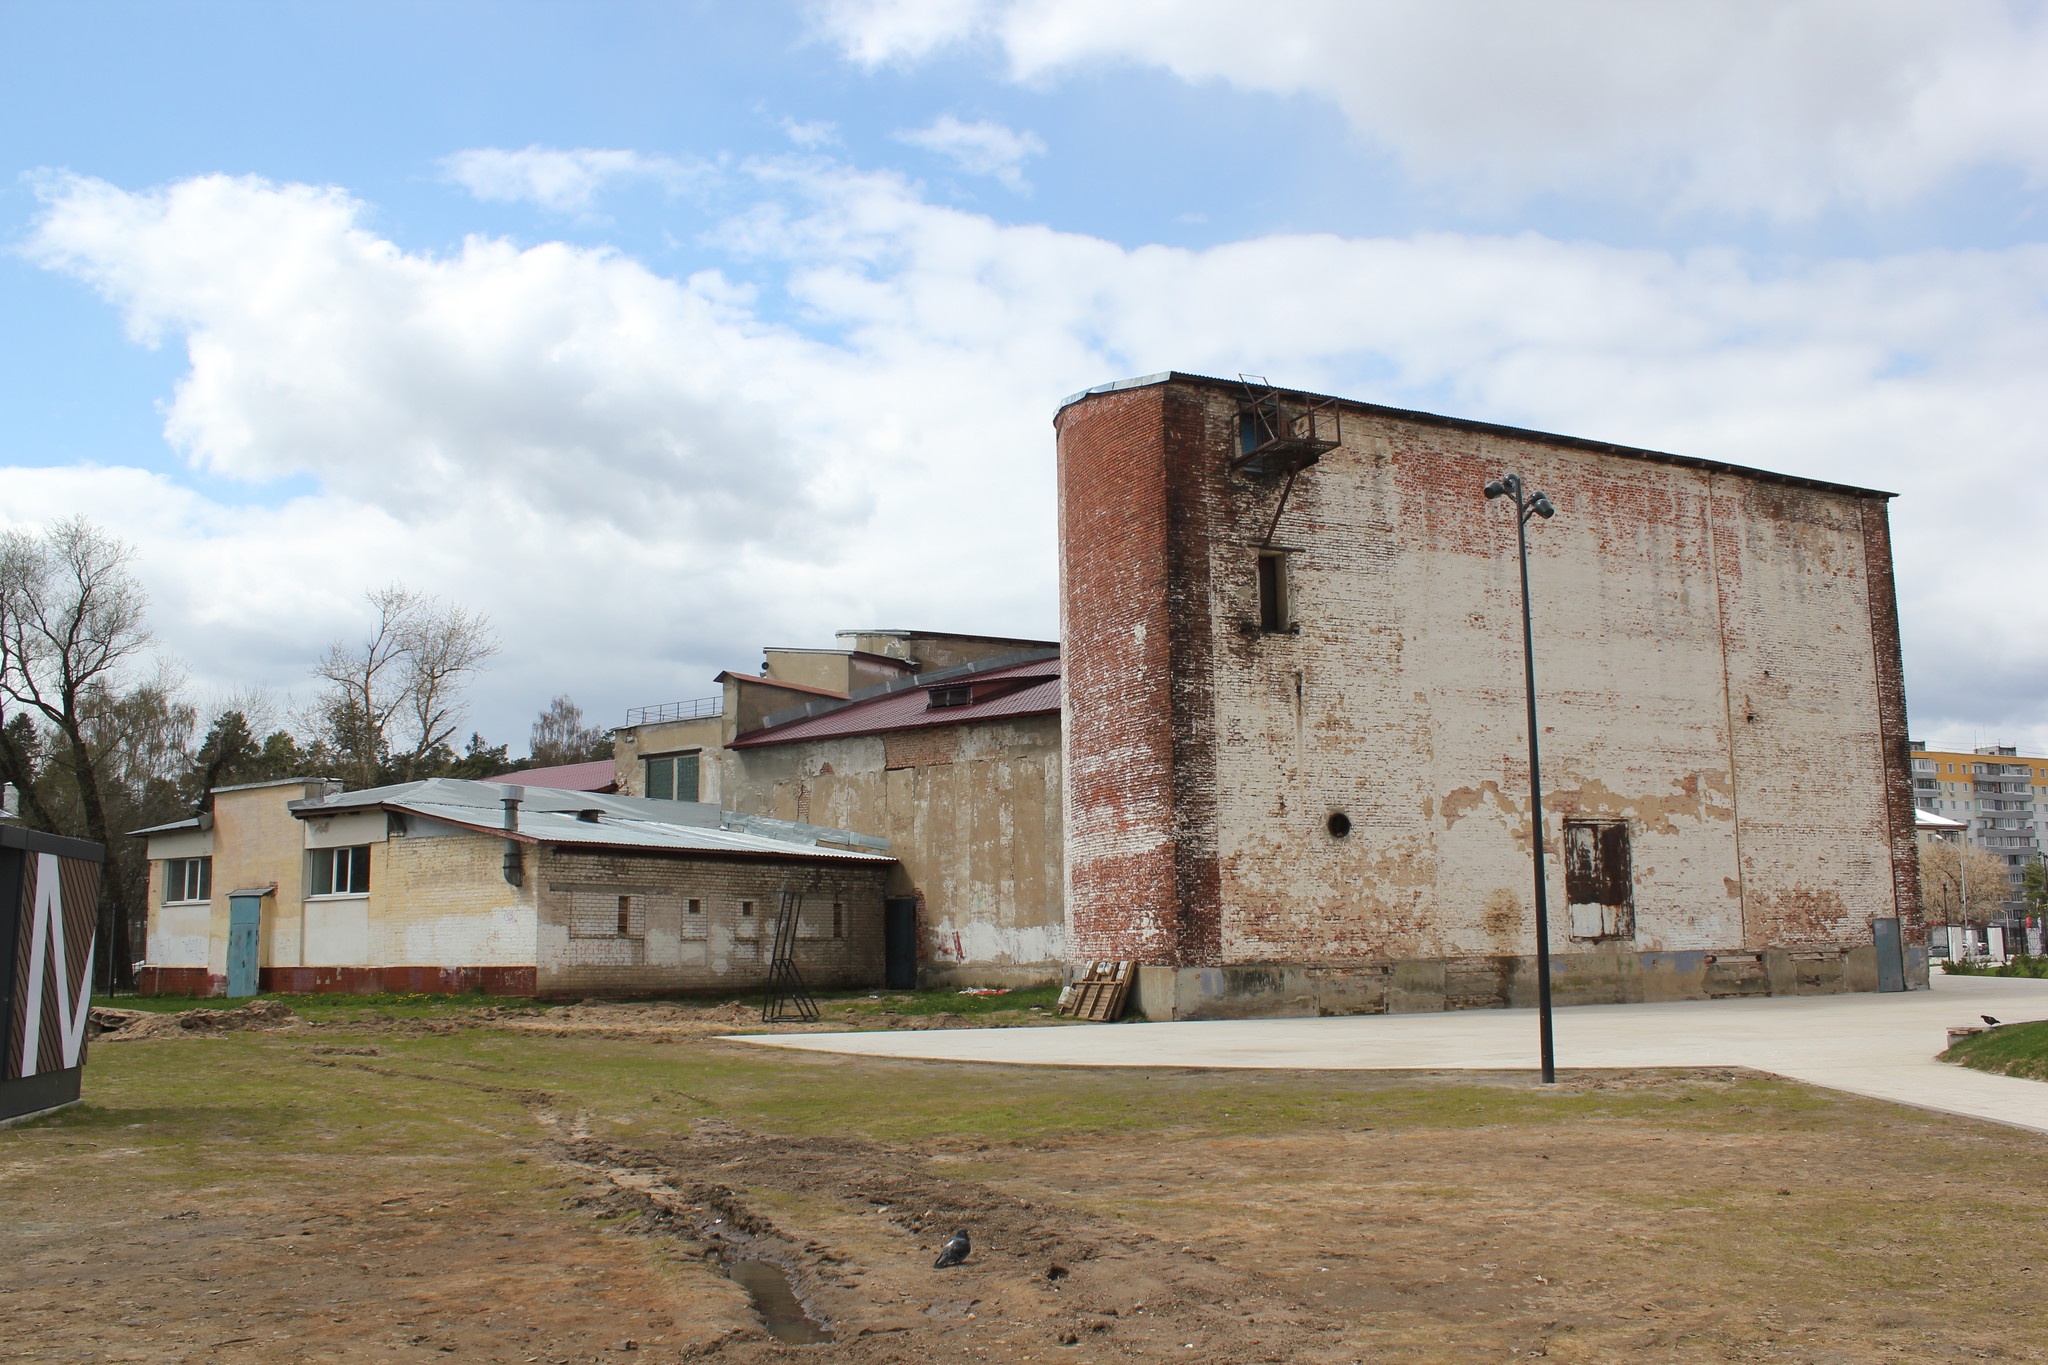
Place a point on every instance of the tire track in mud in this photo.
(1042, 1276)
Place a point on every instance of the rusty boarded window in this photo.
(1599, 881)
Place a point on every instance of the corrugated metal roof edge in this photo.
(761, 739)
(524, 837)
(1491, 429)
(904, 684)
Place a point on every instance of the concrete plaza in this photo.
(1882, 1046)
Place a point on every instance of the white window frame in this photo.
(330, 856)
(205, 880)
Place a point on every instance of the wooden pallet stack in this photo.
(1100, 993)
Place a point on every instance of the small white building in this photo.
(448, 886)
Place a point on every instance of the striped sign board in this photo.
(49, 898)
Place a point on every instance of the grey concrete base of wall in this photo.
(1618, 977)
(955, 975)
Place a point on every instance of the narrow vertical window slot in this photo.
(1272, 592)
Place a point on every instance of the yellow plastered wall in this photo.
(441, 900)
(257, 842)
(178, 935)
(633, 746)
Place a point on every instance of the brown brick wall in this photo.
(1891, 707)
(920, 748)
(1123, 897)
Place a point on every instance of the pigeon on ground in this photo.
(954, 1251)
(1989, 1020)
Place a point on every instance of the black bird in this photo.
(1989, 1020)
(954, 1251)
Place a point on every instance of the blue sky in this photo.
(663, 331)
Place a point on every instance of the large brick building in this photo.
(1296, 774)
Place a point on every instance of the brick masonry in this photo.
(1717, 664)
(718, 948)
(971, 813)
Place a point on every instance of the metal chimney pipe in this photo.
(515, 872)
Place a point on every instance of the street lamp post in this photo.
(1533, 505)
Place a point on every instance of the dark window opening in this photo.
(1272, 592)
(696, 907)
(625, 916)
(746, 909)
(341, 871)
(952, 696)
(1339, 825)
(188, 879)
(1256, 426)
(1599, 879)
(838, 920)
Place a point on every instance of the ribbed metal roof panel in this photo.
(911, 709)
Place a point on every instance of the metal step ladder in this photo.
(788, 997)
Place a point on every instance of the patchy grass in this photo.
(1435, 1217)
(2009, 1050)
(382, 1004)
(2018, 965)
(856, 1008)
(1021, 1000)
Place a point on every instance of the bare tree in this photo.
(1961, 885)
(560, 736)
(443, 647)
(71, 626)
(395, 698)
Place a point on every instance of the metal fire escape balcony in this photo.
(1281, 435)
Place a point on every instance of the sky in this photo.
(660, 332)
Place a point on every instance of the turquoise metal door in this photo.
(245, 922)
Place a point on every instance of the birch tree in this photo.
(72, 630)
(394, 700)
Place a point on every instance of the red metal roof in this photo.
(910, 709)
(600, 776)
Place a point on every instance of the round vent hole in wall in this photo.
(1339, 825)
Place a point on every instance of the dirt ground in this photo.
(488, 1189)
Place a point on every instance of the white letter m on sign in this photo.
(46, 948)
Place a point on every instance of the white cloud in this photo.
(642, 479)
(1727, 106)
(878, 31)
(815, 133)
(979, 148)
(564, 181)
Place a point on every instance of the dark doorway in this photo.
(899, 943)
(1891, 955)
(1599, 881)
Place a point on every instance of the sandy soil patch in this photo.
(519, 1197)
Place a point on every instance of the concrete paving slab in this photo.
(1882, 1046)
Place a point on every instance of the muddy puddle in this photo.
(775, 1300)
